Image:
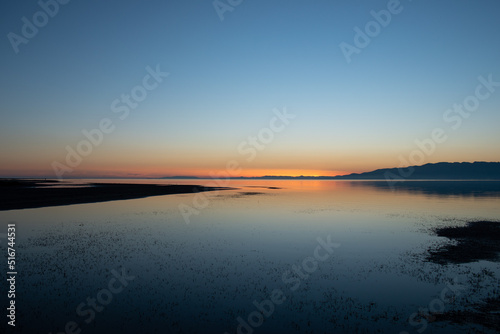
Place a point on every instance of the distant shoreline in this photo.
(446, 171)
(315, 178)
(17, 194)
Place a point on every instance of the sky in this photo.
(202, 88)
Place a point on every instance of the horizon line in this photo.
(205, 177)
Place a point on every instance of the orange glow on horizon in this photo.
(162, 172)
(287, 172)
(204, 173)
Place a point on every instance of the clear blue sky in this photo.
(225, 78)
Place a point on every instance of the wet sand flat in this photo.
(476, 241)
(27, 194)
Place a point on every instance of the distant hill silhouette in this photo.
(437, 171)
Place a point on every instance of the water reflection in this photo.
(201, 277)
(437, 188)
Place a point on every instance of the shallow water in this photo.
(205, 273)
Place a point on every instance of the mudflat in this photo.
(18, 194)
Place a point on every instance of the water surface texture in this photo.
(265, 257)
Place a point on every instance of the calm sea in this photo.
(265, 257)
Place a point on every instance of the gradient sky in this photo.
(226, 78)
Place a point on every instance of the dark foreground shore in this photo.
(28, 194)
(475, 241)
